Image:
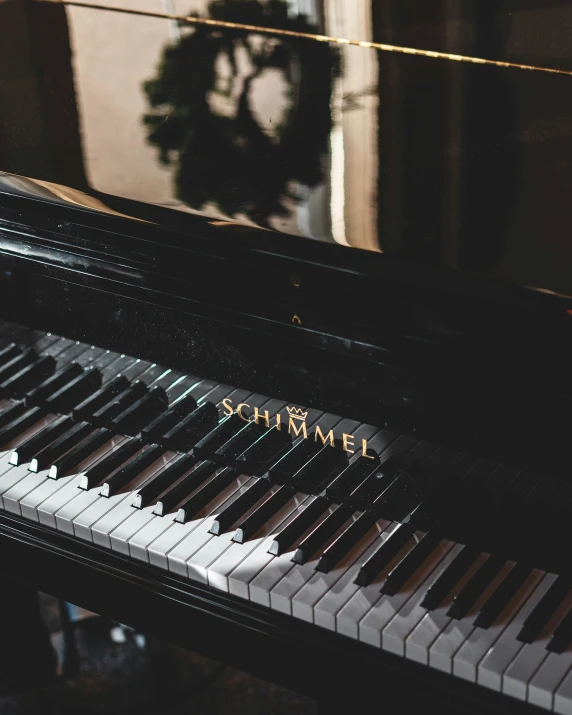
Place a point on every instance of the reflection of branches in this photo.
(230, 160)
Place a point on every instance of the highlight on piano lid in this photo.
(285, 348)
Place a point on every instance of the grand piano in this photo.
(286, 335)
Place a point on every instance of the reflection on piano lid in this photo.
(435, 160)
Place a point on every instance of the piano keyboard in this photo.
(144, 461)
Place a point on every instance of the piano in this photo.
(286, 335)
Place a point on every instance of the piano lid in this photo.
(351, 123)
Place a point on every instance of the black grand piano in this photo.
(285, 340)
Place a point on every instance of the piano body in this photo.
(286, 336)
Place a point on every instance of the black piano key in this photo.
(72, 352)
(403, 571)
(383, 555)
(171, 418)
(216, 437)
(40, 440)
(451, 576)
(262, 514)
(321, 534)
(28, 378)
(370, 489)
(498, 601)
(562, 635)
(240, 506)
(74, 392)
(109, 464)
(163, 480)
(290, 534)
(149, 454)
(475, 587)
(544, 610)
(185, 487)
(448, 480)
(191, 429)
(350, 478)
(181, 390)
(323, 466)
(228, 452)
(20, 424)
(292, 461)
(60, 446)
(9, 352)
(267, 449)
(90, 444)
(56, 381)
(345, 542)
(206, 494)
(132, 420)
(106, 394)
(104, 416)
(16, 363)
(11, 412)
(103, 362)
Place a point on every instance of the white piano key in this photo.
(243, 574)
(5, 461)
(220, 570)
(200, 563)
(443, 650)
(380, 614)
(434, 622)
(11, 498)
(102, 528)
(79, 502)
(169, 545)
(121, 535)
(282, 594)
(158, 549)
(548, 677)
(210, 550)
(30, 502)
(10, 478)
(327, 608)
(350, 615)
(473, 650)
(395, 634)
(82, 523)
(139, 543)
(192, 556)
(529, 659)
(10, 475)
(59, 497)
(496, 661)
(308, 596)
(272, 573)
(519, 673)
(563, 696)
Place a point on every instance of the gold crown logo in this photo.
(296, 413)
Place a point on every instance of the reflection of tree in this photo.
(231, 161)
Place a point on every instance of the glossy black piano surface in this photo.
(360, 208)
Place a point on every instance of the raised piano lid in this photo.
(151, 155)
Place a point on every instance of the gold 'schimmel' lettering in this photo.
(324, 437)
(239, 411)
(296, 426)
(298, 429)
(265, 416)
